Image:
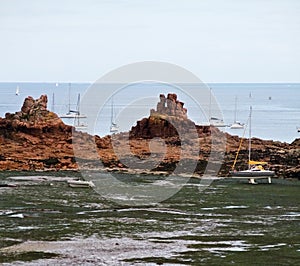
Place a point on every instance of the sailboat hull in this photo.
(252, 174)
(73, 115)
(237, 126)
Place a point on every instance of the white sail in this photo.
(113, 126)
(17, 91)
(236, 124)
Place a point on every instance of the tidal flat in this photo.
(44, 221)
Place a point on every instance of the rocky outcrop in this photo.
(167, 121)
(37, 139)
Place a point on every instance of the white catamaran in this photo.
(255, 168)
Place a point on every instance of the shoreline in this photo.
(76, 174)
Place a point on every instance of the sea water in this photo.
(45, 222)
(275, 116)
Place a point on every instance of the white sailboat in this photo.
(73, 113)
(255, 168)
(114, 128)
(236, 124)
(78, 124)
(17, 91)
(214, 121)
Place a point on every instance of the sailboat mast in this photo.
(249, 156)
(209, 110)
(78, 104)
(69, 97)
(112, 111)
(235, 109)
(53, 102)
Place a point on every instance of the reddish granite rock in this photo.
(31, 137)
(37, 139)
(168, 120)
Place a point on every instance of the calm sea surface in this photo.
(276, 107)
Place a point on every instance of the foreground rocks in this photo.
(37, 139)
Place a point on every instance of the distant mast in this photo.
(52, 102)
(113, 126)
(69, 106)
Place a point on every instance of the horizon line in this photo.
(208, 82)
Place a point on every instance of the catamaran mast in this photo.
(249, 155)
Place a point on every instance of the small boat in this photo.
(17, 91)
(78, 123)
(73, 113)
(80, 183)
(114, 128)
(213, 121)
(236, 124)
(217, 122)
(255, 169)
(298, 129)
(77, 116)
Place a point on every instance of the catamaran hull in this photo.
(252, 174)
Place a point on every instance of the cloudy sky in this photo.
(218, 40)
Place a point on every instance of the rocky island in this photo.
(35, 139)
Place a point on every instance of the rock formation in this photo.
(168, 120)
(37, 139)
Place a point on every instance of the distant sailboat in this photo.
(236, 124)
(113, 126)
(17, 91)
(73, 113)
(78, 124)
(214, 121)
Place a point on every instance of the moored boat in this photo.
(80, 184)
(236, 124)
(256, 169)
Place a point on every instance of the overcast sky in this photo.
(218, 40)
